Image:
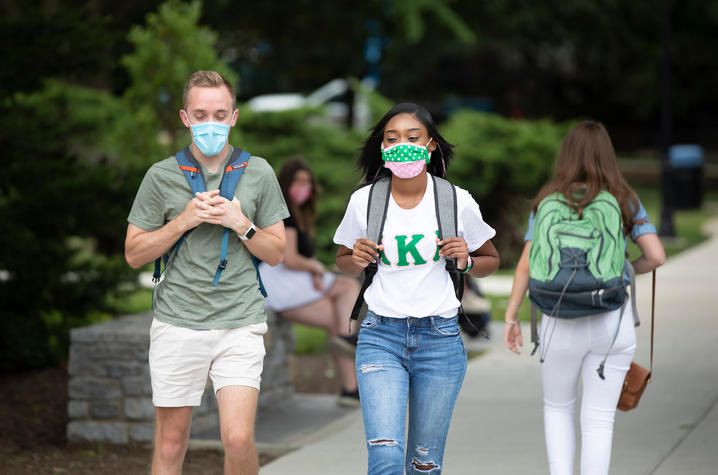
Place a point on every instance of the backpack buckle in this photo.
(222, 264)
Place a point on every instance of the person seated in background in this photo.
(300, 289)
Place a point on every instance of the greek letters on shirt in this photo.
(411, 280)
(406, 246)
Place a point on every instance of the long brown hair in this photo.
(305, 214)
(585, 165)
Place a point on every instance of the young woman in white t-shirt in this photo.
(410, 350)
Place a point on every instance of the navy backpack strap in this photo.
(191, 169)
(232, 173)
(195, 178)
(157, 274)
(193, 173)
(256, 262)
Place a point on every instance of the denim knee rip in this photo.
(370, 368)
(426, 467)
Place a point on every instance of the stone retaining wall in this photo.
(110, 396)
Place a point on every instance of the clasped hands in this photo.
(210, 207)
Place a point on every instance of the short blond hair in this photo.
(207, 79)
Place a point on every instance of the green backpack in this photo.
(577, 262)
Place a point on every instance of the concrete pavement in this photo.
(497, 426)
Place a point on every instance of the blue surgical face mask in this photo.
(209, 137)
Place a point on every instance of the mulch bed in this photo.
(33, 416)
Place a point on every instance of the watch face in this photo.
(250, 232)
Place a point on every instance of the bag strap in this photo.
(232, 173)
(653, 321)
(377, 206)
(378, 203)
(445, 206)
(192, 171)
(534, 327)
(195, 179)
(632, 282)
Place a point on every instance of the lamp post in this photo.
(666, 227)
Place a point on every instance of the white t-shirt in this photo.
(412, 280)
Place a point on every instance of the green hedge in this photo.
(503, 163)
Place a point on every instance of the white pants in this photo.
(574, 348)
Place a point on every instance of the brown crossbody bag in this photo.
(638, 377)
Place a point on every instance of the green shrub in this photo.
(502, 163)
(330, 151)
(63, 208)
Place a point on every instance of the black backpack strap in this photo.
(377, 204)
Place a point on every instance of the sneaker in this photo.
(345, 345)
(349, 398)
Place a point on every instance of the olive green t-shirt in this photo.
(185, 297)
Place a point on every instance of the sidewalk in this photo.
(497, 426)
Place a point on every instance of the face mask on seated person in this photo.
(406, 160)
(299, 194)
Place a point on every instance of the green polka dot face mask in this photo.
(406, 160)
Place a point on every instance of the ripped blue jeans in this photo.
(419, 361)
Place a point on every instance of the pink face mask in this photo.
(405, 169)
(299, 194)
(406, 160)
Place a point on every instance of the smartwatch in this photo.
(251, 231)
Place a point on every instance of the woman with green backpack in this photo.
(574, 265)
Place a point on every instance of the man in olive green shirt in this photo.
(200, 329)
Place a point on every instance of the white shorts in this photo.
(287, 288)
(181, 359)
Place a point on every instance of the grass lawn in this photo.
(309, 340)
(688, 223)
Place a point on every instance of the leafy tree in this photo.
(37, 43)
(167, 51)
(411, 15)
(61, 252)
(73, 159)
